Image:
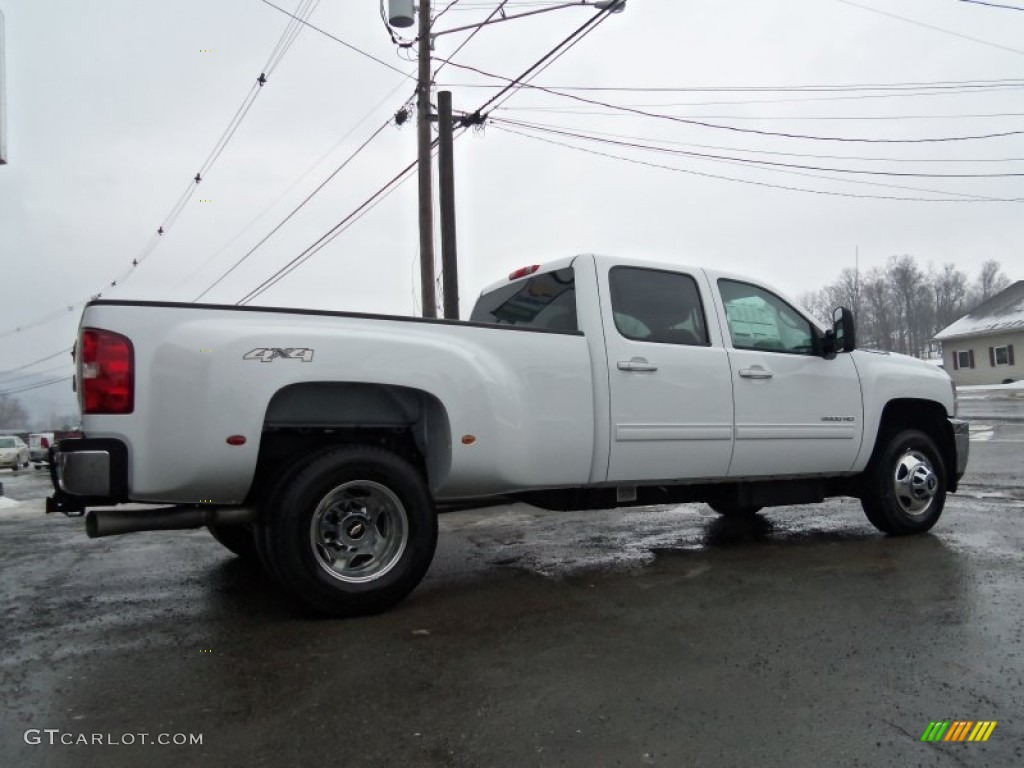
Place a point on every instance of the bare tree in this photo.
(12, 414)
(950, 287)
(880, 314)
(818, 304)
(991, 281)
(901, 307)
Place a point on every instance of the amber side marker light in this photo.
(468, 439)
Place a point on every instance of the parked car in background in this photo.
(39, 448)
(13, 452)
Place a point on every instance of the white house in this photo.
(979, 347)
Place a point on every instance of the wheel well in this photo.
(926, 415)
(309, 417)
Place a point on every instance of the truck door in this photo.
(796, 412)
(670, 395)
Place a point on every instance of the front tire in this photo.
(904, 487)
(350, 533)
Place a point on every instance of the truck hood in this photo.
(879, 357)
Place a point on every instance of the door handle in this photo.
(636, 364)
(756, 372)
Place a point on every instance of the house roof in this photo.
(1003, 312)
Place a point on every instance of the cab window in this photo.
(761, 320)
(546, 301)
(657, 306)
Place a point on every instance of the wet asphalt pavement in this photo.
(650, 636)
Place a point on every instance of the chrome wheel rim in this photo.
(915, 483)
(359, 531)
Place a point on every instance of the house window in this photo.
(1001, 355)
(963, 359)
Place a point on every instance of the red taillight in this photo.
(44, 443)
(108, 372)
(524, 271)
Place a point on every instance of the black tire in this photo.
(732, 510)
(903, 489)
(239, 539)
(352, 532)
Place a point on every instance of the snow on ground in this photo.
(1017, 385)
(990, 391)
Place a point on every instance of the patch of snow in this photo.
(6, 503)
(1017, 385)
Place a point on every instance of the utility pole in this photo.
(428, 292)
(446, 169)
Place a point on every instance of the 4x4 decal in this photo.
(269, 354)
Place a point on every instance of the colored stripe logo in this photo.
(959, 730)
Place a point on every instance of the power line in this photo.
(987, 115)
(917, 23)
(41, 320)
(337, 229)
(995, 5)
(51, 369)
(337, 39)
(794, 170)
(305, 10)
(594, 22)
(471, 35)
(295, 183)
(968, 199)
(40, 360)
(519, 82)
(405, 173)
(297, 208)
(856, 158)
(705, 156)
(852, 97)
(18, 391)
(442, 13)
(737, 129)
(813, 88)
(284, 42)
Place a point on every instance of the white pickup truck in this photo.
(320, 442)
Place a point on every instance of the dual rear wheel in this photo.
(352, 531)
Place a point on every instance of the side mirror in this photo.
(843, 330)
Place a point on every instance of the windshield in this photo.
(7, 442)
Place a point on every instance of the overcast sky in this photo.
(113, 106)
